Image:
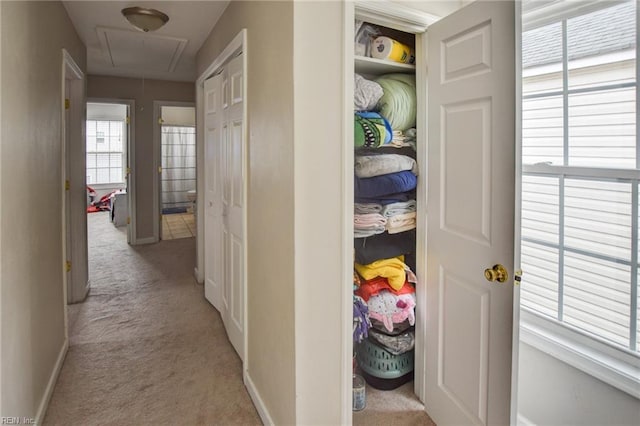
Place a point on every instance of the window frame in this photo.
(613, 364)
(122, 153)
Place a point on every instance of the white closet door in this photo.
(471, 183)
(234, 204)
(213, 209)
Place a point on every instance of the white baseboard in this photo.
(523, 421)
(197, 276)
(44, 403)
(83, 294)
(148, 240)
(257, 401)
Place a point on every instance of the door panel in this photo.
(234, 193)
(466, 141)
(462, 358)
(213, 223)
(471, 179)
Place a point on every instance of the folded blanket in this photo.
(366, 94)
(364, 208)
(374, 286)
(378, 186)
(376, 165)
(388, 149)
(384, 246)
(401, 222)
(371, 129)
(369, 224)
(393, 269)
(389, 198)
(398, 208)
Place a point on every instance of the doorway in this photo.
(177, 171)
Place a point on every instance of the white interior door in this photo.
(471, 178)
(234, 204)
(67, 194)
(213, 223)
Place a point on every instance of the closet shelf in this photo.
(366, 65)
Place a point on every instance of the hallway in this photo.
(146, 347)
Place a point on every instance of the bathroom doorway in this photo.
(177, 171)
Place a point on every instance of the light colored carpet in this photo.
(398, 407)
(146, 348)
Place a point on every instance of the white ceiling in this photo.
(116, 48)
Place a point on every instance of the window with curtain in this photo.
(105, 155)
(581, 166)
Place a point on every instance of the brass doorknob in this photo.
(497, 273)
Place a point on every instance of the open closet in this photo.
(434, 184)
(385, 199)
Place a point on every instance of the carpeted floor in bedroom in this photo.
(146, 348)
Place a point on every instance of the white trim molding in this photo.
(617, 367)
(130, 181)
(157, 161)
(263, 412)
(44, 402)
(394, 15)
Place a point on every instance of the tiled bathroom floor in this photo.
(178, 225)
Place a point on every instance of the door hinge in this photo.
(128, 220)
(160, 121)
(67, 185)
(67, 266)
(128, 172)
(159, 169)
(128, 120)
(67, 104)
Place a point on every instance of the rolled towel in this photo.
(364, 208)
(366, 225)
(398, 208)
(401, 222)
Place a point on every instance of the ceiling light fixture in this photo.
(145, 19)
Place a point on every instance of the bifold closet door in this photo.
(225, 178)
(471, 178)
(213, 222)
(233, 203)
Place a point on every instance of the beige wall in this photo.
(319, 207)
(270, 358)
(32, 324)
(143, 94)
(552, 392)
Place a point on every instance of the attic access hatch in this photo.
(122, 49)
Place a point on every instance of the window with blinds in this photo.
(581, 166)
(105, 155)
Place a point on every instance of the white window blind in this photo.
(581, 165)
(105, 155)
